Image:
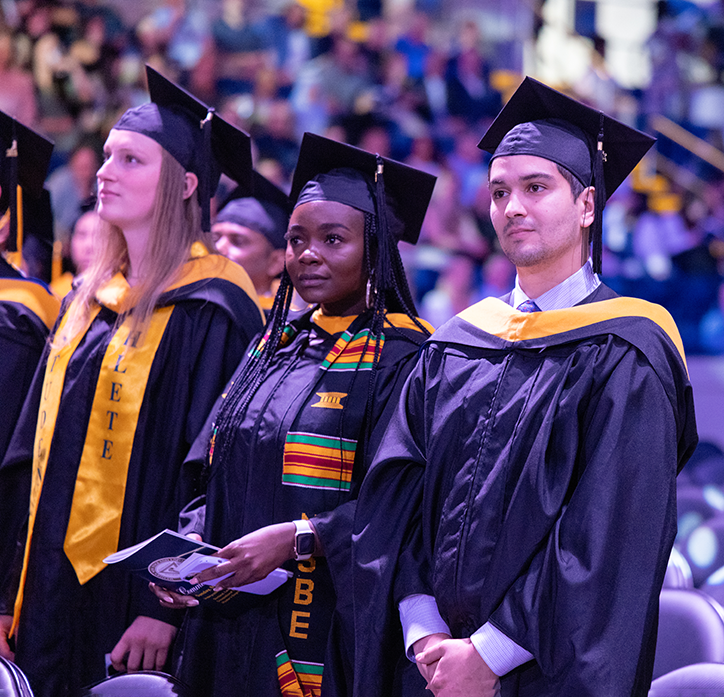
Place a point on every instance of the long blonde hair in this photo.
(175, 226)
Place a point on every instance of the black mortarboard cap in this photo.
(25, 160)
(594, 147)
(265, 209)
(200, 140)
(329, 170)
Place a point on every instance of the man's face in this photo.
(534, 214)
(251, 250)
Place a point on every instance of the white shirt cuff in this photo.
(498, 650)
(419, 617)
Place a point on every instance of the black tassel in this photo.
(205, 192)
(383, 264)
(15, 241)
(599, 201)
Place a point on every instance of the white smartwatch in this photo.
(303, 540)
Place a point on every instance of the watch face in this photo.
(305, 543)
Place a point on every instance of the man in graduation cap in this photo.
(525, 490)
(250, 231)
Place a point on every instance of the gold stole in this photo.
(31, 295)
(95, 516)
(47, 414)
(100, 486)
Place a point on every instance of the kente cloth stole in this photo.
(298, 678)
(95, 516)
(320, 447)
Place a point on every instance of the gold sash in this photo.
(95, 515)
(32, 296)
(47, 414)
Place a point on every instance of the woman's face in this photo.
(325, 256)
(128, 178)
(82, 243)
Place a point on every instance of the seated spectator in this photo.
(467, 161)
(332, 84)
(414, 46)
(470, 94)
(71, 185)
(498, 277)
(454, 291)
(179, 31)
(275, 137)
(435, 86)
(17, 92)
(448, 229)
(240, 46)
(290, 44)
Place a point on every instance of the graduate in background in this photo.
(522, 507)
(143, 348)
(27, 307)
(250, 231)
(286, 448)
(82, 246)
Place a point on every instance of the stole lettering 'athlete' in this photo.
(95, 515)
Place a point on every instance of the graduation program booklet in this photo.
(169, 558)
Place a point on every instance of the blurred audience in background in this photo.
(414, 82)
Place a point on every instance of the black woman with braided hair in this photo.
(287, 446)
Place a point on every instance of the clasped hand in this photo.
(454, 668)
(250, 558)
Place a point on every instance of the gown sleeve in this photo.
(217, 344)
(15, 471)
(387, 546)
(335, 527)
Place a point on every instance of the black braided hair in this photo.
(245, 385)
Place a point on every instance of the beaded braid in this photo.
(244, 387)
(392, 294)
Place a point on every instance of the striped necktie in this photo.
(528, 306)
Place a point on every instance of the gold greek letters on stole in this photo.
(95, 515)
(47, 414)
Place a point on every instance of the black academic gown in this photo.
(250, 654)
(28, 310)
(67, 629)
(528, 479)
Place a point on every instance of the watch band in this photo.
(304, 541)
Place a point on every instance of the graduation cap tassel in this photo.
(599, 200)
(19, 220)
(204, 180)
(16, 242)
(383, 264)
